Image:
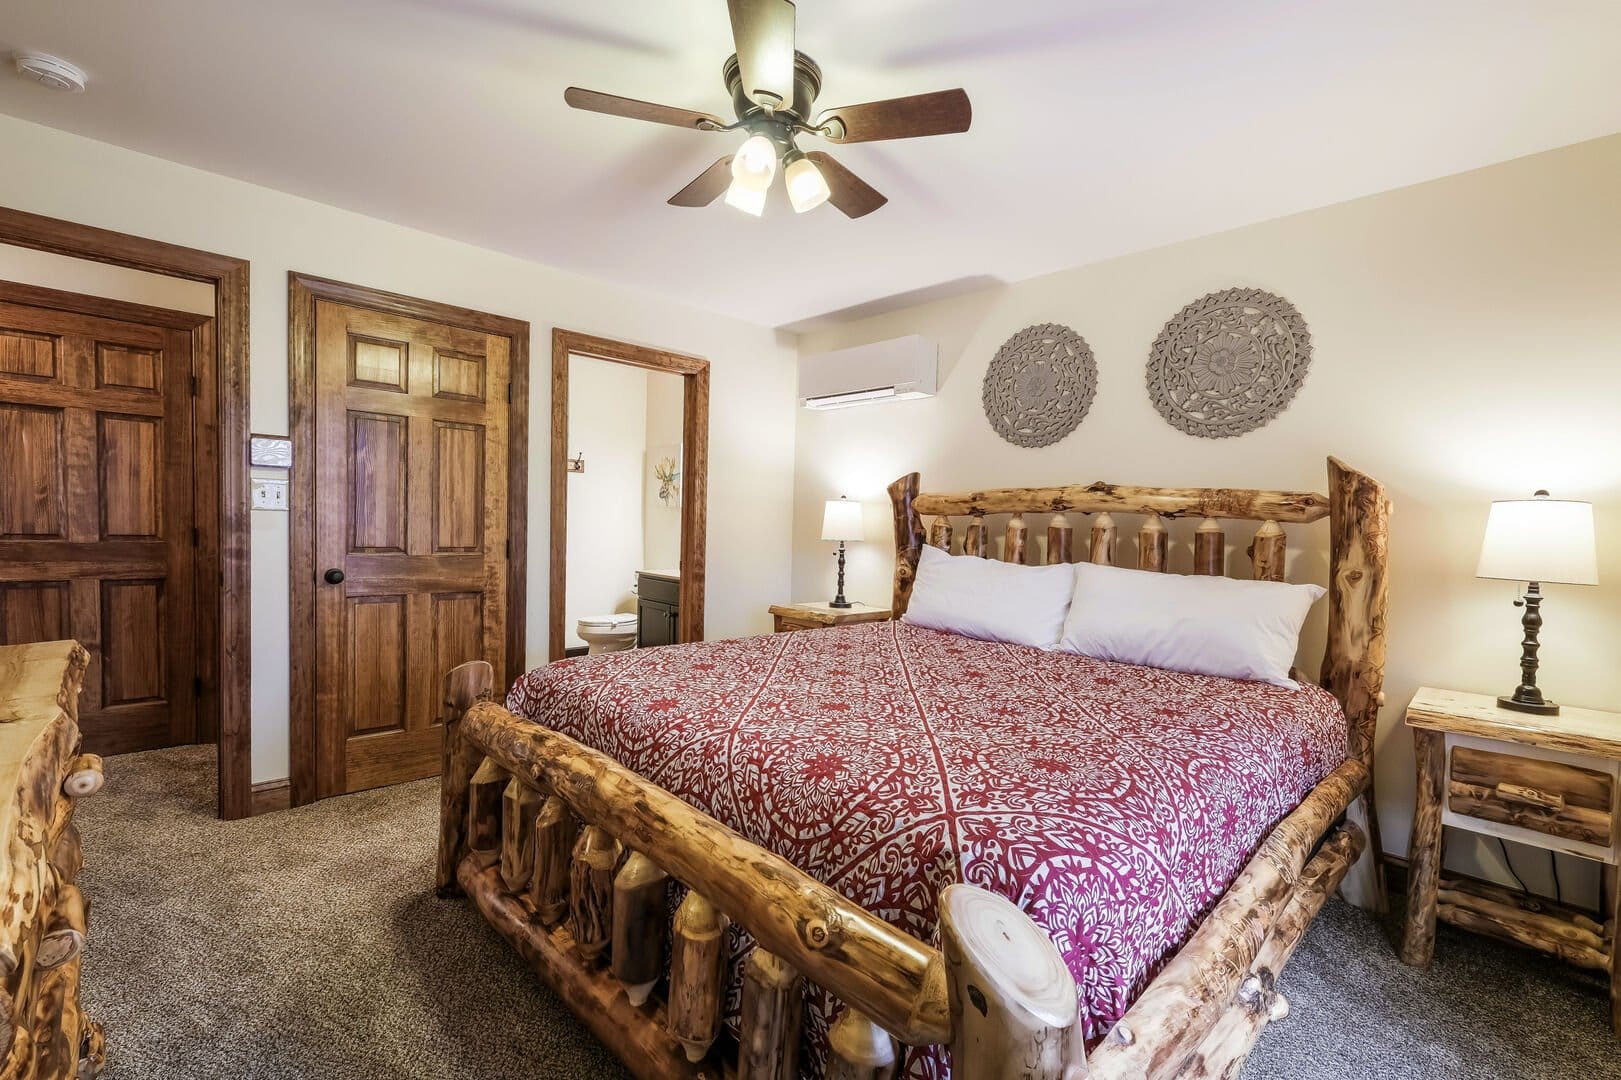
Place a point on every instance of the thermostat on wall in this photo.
(270, 451)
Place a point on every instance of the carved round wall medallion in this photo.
(1228, 363)
(1039, 385)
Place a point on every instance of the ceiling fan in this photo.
(773, 89)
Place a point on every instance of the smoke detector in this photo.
(50, 71)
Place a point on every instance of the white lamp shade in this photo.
(1543, 540)
(842, 520)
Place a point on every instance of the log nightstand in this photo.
(811, 616)
(1547, 781)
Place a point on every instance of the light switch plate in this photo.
(269, 494)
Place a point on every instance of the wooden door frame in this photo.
(694, 372)
(220, 442)
(303, 291)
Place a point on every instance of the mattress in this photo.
(1113, 803)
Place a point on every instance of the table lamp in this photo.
(841, 521)
(1537, 540)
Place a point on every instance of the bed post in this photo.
(465, 684)
(908, 540)
(1354, 659)
(1014, 1009)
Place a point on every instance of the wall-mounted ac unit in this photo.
(893, 370)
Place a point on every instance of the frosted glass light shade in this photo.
(747, 199)
(1541, 539)
(755, 163)
(841, 520)
(807, 187)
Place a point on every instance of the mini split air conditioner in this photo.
(893, 370)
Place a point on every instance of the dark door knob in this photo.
(333, 576)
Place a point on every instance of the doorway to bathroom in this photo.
(630, 440)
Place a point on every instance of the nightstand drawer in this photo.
(1550, 797)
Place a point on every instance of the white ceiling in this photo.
(1100, 126)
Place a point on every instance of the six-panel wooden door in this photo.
(96, 513)
(410, 534)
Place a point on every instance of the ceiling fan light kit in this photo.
(773, 89)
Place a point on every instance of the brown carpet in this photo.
(308, 944)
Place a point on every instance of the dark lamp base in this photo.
(840, 603)
(1540, 708)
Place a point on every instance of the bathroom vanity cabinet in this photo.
(658, 609)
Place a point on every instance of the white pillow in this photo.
(1201, 625)
(993, 601)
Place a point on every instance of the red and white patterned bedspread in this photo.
(1113, 803)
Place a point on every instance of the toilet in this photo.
(607, 633)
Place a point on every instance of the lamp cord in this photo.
(1508, 862)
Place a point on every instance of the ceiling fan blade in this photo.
(763, 31)
(707, 186)
(594, 101)
(944, 112)
(846, 190)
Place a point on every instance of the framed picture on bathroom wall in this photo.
(664, 476)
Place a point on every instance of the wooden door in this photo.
(410, 534)
(96, 515)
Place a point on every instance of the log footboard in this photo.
(570, 857)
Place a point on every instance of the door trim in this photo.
(224, 630)
(694, 468)
(304, 290)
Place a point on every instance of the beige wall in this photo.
(751, 418)
(1467, 346)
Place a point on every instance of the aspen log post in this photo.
(1013, 1000)
(1267, 552)
(640, 916)
(484, 794)
(773, 1014)
(1610, 888)
(463, 685)
(591, 891)
(908, 540)
(1013, 544)
(555, 832)
(859, 1049)
(1105, 534)
(85, 776)
(519, 805)
(974, 540)
(1209, 549)
(940, 533)
(1424, 849)
(1354, 658)
(1060, 540)
(697, 974)
(1151, 544)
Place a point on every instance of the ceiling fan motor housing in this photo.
(807, 84)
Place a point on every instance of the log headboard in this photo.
(1358, 516)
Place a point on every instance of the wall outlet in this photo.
(269, 494)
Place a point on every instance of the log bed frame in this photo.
(569, 855)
